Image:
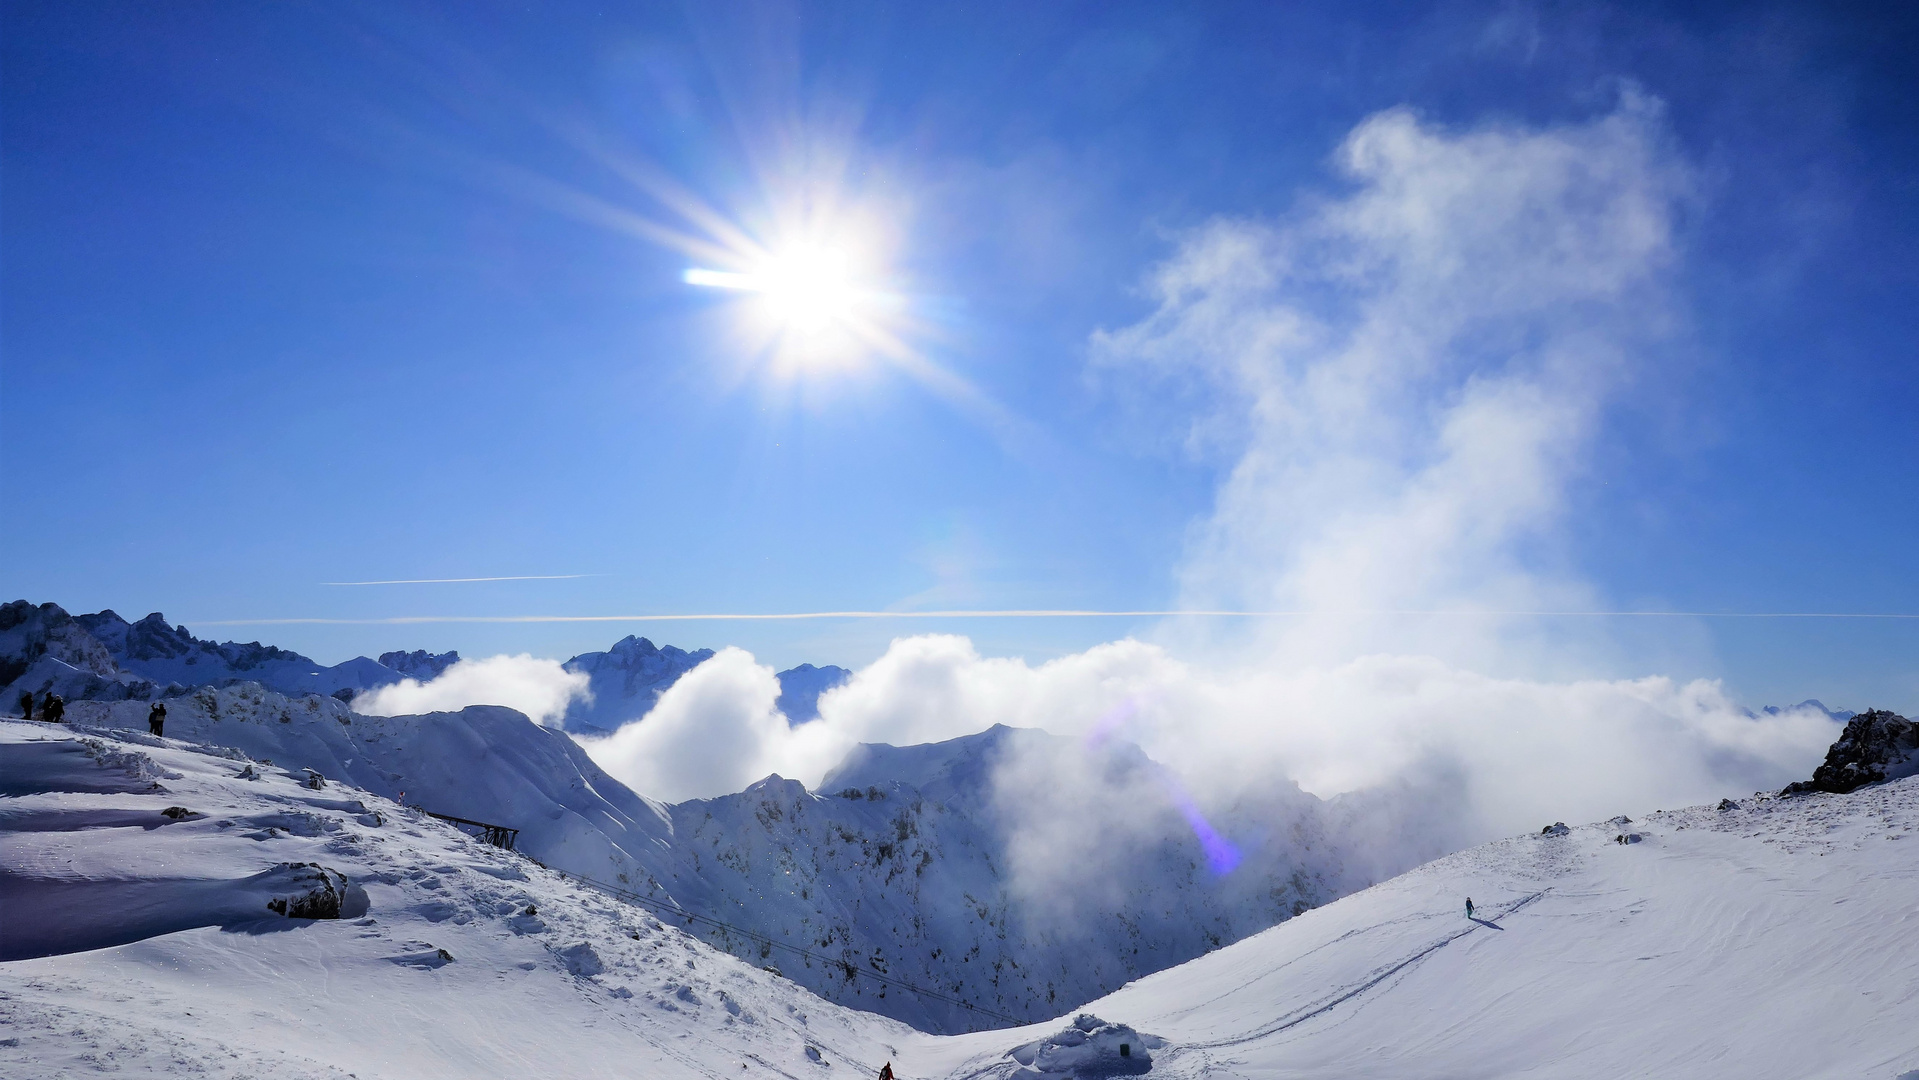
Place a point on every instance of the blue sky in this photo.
(297, 294)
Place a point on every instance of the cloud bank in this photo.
(539, 688)
(1401, 381)
(1405, 379)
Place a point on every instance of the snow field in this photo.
(543, 978)
(1779, 939)
(1773, 939)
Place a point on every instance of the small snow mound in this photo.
(1091, 1048)
(581, 960)
(425, 959)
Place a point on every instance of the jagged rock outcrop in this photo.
(28, 633)
(419, 664)
(1877, 745)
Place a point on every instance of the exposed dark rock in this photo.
(1877, 745)
(315, 892)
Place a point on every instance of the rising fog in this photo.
(1401, 377)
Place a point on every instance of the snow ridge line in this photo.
(1297, 1018)
(853, 970)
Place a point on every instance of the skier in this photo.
(1469, 907)
(156, 718)
(26, 705)
(886, 1071)
(54, 710)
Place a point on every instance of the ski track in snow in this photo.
(1773, 940)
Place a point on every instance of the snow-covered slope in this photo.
(927, 878)
(961, 866)
(1770, 938)
(466, 962)
(484, 762)
(1774, 938)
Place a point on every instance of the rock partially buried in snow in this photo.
(1088, 1050)
(311, 891)
(1557, 828)
(581, 960)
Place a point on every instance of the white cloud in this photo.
(1407, 377)
(539, 688)
(1404, 379)
(714, 731)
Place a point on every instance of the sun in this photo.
(809, 300)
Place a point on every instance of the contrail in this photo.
(1023, 613)
(455, 580)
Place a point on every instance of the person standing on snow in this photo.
(1469, 907)
(156, 718)
(26, 705)
(55, 709)
(886, 1071)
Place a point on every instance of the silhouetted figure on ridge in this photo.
(1469, 907)
(26, 705)
(55, 710)
(157, 718)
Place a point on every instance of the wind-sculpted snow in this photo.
(434, 956)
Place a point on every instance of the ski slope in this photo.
(1776, 939)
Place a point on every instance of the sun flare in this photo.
(809, 299)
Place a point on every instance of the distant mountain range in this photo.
(148, 656)
(1013, 870)
(1010, 870)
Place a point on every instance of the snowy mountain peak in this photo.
(626, 680)
(801, 687)
(935, 769)
(29, 633)
(1813, 704)
(419, 664)
(153, 640)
